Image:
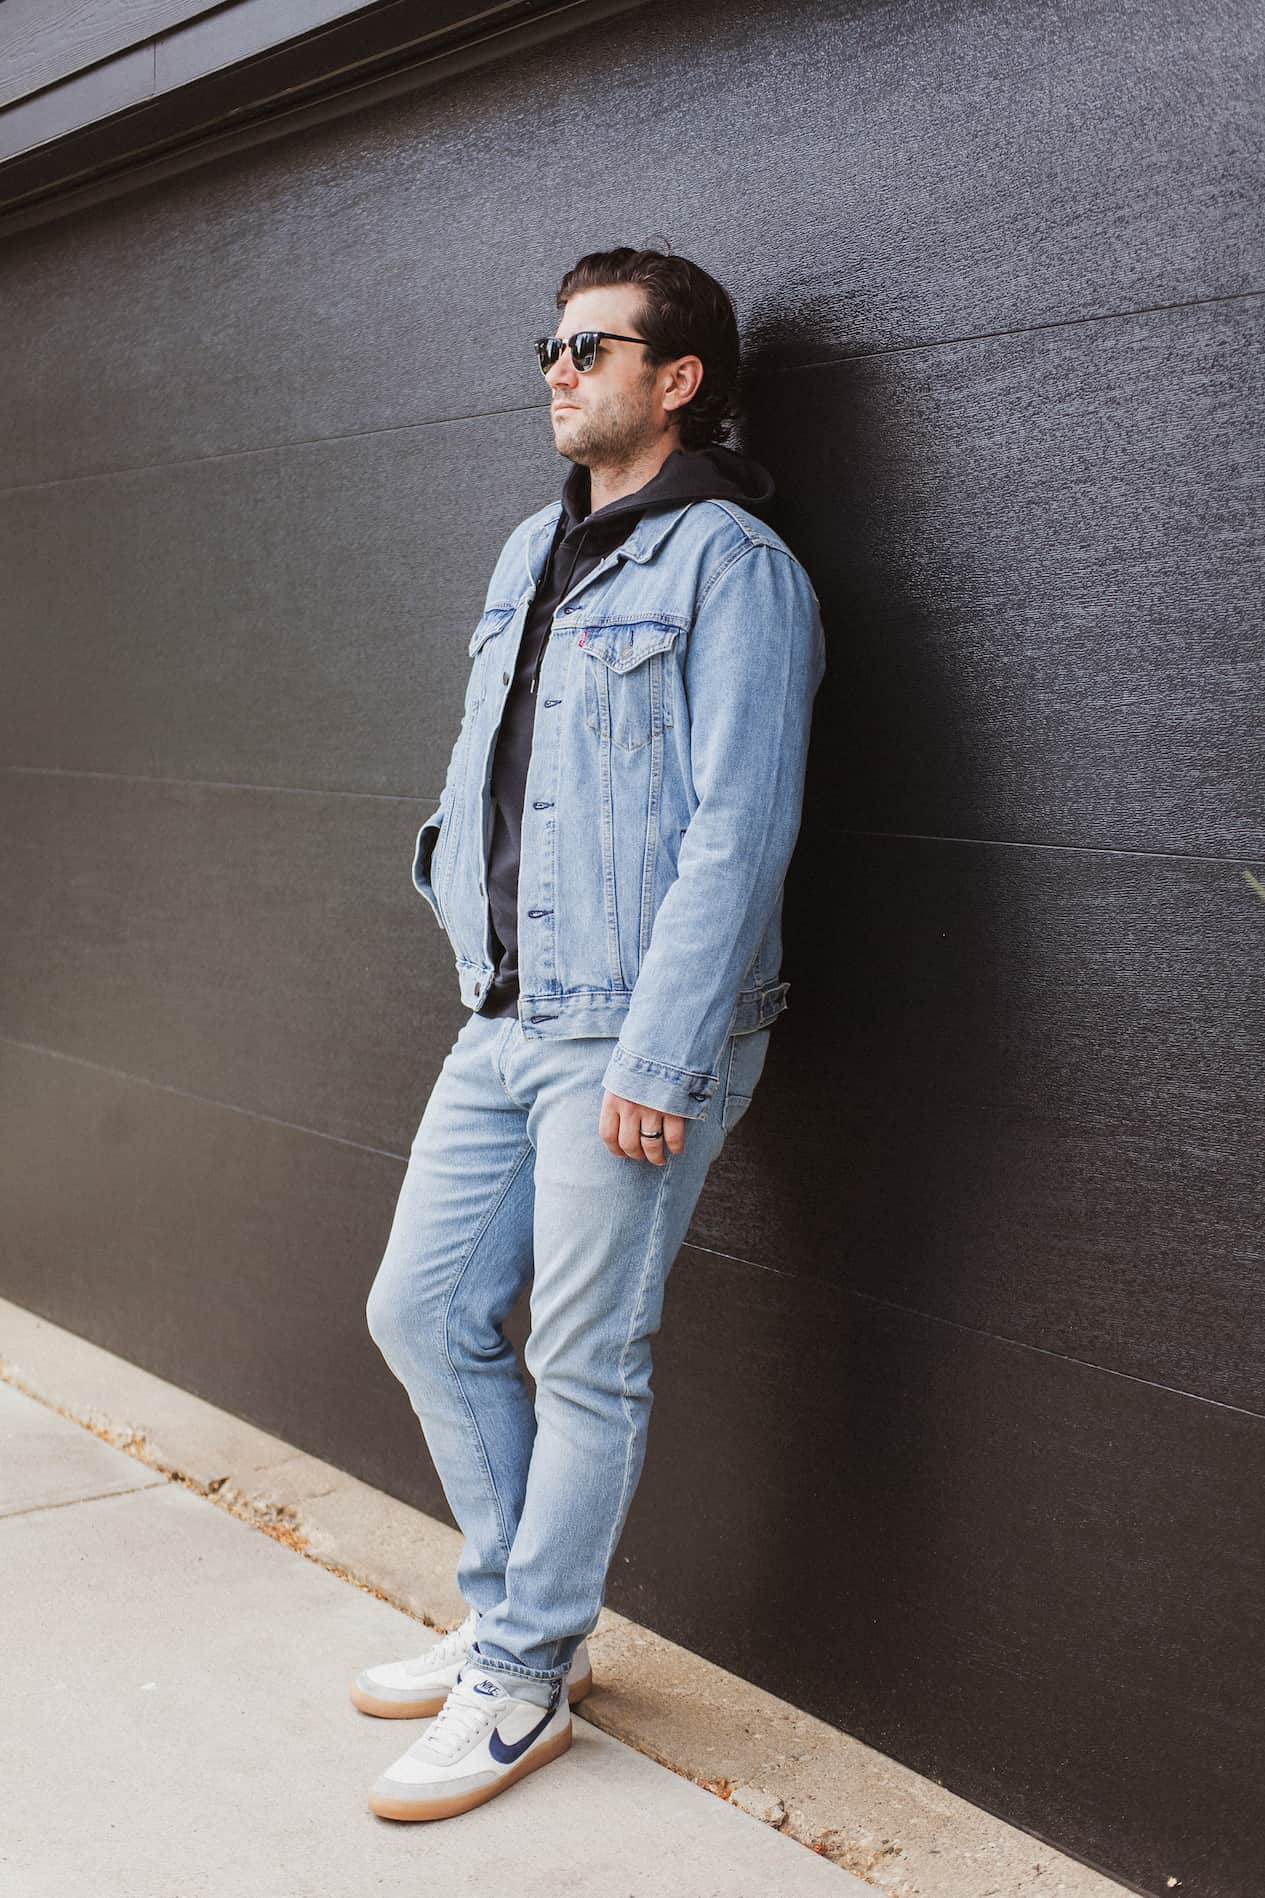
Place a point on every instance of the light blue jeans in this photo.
(509, 1183)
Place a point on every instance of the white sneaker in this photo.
(416, 1689)
(480, 1742)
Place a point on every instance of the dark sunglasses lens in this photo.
(583, 347)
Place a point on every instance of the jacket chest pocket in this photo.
(486, 651)
(627, 681)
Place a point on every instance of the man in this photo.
(607, 859)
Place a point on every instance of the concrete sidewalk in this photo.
(187, 1598)
(177, 1723)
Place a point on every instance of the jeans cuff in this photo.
(494, 1665)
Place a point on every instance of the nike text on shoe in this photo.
(417, 1689)
(480, 1742)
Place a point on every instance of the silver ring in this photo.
(656, 1135)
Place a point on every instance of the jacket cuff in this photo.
(654, 1084)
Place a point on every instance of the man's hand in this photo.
(621, 1124)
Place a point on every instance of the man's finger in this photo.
(608, 1124)
(620, 1124)
(631, 1115)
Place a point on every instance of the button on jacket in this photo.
(663, 797)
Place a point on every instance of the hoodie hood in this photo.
(714, 473)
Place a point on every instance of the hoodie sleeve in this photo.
(754, 660)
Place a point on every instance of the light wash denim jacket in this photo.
(663, 796)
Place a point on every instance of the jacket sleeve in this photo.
(754, 660)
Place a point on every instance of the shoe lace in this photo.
(459, 1723)
(452, 1645)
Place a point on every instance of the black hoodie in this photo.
(581, 540)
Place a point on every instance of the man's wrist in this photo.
(656, 1084)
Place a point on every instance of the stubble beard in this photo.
(609, 438)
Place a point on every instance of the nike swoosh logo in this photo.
(505, 1752)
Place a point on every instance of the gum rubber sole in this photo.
(388, 1807)
(426, 1707)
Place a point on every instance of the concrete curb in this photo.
(903, 1835)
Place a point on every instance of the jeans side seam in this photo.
(488, 1217)
(623, 1359)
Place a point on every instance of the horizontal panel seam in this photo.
(526, 408)
(205, 1100)
(1078, 847)
(956, 1324)
(729, 1258)
(1016, 329)
(218, 784)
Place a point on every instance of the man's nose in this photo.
(563, 374)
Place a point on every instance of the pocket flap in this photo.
(494, 620)
(621, 647)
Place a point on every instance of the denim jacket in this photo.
(663, 798)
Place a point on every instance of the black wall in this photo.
(959, 1439)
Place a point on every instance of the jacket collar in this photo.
(652, 528)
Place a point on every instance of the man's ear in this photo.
(689, 395)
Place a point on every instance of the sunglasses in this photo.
(583, 347)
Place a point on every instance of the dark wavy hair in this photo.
(684, 312)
